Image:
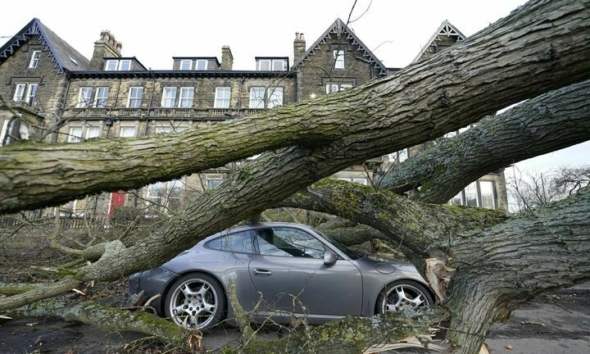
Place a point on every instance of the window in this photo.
(92, 132)
(32, 94)
(279, 65)
(271, 64)
(135, 94)
(273, 97)
(212, 181)
(399, 156)
(168, 97)
(118, 65)
(163, 130)
(75, 135)
(471, 195)
(288, 242)
(339, 59)
(164, 196)
(102, 97)
(19, 93)
(13, 130)
(486, 189)
(201, 65)
(479, 193)
(335, 87)
(264, 65)
(186, 97)
(241, 242)
(359, 180)
(257, 97)
(35, 59)
(111, 65)
(222, 97)
(84, 97)
(186, 64)
(127, 132)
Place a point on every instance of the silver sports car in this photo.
(279, 270)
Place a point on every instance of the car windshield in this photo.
(349, 252)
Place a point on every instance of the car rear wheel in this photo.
(195, 301)
(403, 294)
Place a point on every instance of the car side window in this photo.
(237, 242)
(289, 242)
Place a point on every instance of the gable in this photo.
(61, 53)
(445, 36)
(340, 28)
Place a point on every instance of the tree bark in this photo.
(550, 122)
(543, 43)
(499, 267)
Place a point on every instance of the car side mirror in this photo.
(330, 258)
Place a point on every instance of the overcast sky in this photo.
(154, 32)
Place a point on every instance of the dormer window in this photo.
(201, 65)
(186, 64)
(35, 59)
(117, 65)
(271, 65)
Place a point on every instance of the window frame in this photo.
(283, 64)
(101, 96)
(92, 136)
(255, 99)
(169, 96)
(184, 61)
(85, 95)
(221, 101)
(270, 101)
(188, 100)
(73, 137)
(19, 96)
(165, 191)
(339, 62)
(125, 128)
(198, 63)
(135, 99)
(32, 94)
(35, 58)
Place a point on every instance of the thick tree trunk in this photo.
(499, 265)
(544, 44)
(550, 122)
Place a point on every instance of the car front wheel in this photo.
(403, 294)
(195, 301)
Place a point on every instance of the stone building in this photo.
(68, 98)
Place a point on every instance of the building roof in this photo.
(63, 55)
(446, 29)
(182, 74)
(339, 27)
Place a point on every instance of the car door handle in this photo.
(262, 272)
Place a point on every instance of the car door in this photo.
(291, 275)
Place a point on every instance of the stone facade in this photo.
(111, 95)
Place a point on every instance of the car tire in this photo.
(195, 301)
(403, 294)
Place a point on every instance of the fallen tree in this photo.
(542, 44)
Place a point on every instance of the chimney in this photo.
(298, 47)
(106, 46)
(227, 58)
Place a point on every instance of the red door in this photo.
(117, 200)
